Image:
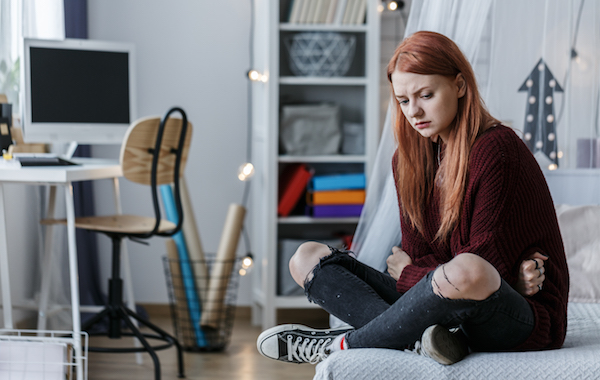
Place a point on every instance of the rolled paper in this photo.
(221, 271)
(182, 312)
(187, 273)
(191, 235)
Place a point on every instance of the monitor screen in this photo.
(77, 90)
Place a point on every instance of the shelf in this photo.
(357, 95)
(334, 158)
(362, 28)
(572, 172)
(310, 220)
(324, 81)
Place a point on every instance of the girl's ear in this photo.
(461, 85)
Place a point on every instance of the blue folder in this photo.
(339, 181)
(187, 273)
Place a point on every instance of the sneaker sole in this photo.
(442, 346)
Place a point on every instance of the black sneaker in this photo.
(441, 345)
(297, 343)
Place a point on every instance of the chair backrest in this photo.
(169, 137)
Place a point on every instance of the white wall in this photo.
(194, 54)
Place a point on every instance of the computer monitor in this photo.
(76, 90)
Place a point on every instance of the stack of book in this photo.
(335, 12)
(338, 195)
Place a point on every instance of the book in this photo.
(334, 197)
(292, 184)
(338, 182)
(336, 211)
(312, 10)
(302, 18)
(354, 11)
(331, 11)
(295, 10)
(348, 12)
(340, 11)
(361, 12)
(321, 15)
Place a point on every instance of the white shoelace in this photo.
(418, 349)
(306, 349)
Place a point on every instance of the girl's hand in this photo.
(397, 262)
(531, 275)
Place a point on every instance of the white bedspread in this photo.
(578, 359)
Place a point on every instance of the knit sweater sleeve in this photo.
(508, 214)
(489, 205)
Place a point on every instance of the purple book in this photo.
(326, 211)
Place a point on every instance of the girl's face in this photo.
(429, 102)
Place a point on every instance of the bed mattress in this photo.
(577, 359)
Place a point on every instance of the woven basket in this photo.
(320, 54)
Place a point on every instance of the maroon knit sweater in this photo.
(507, 215)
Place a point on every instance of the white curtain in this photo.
(504, 40)
(42, 19)
(21, 19)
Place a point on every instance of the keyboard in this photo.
(44, 161)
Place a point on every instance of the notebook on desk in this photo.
(44, 161)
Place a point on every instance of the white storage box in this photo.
(36, 355)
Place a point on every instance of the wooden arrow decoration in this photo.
(540, 119)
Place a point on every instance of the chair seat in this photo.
(122, 224)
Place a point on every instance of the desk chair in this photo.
(154, 152)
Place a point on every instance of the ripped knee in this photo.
(334, 257)
(467, 276)
(442, 285)
(305, 259)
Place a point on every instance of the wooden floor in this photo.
(240, 360)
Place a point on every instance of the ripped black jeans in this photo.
(367, 300)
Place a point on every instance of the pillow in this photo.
(580, 229)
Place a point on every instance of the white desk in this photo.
(90, 169)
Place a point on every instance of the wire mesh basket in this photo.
(41, 355)
(202, 295)
(323, 54)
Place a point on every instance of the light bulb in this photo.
(246, 171)
(552, 167)
(254, 75)
(392, 5)
(247, 262)
(380, 8)
(582, 63)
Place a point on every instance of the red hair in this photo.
(430, 53)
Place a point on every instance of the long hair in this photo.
(430, 53)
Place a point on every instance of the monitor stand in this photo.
(70, 151)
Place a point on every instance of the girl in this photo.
(482, 264)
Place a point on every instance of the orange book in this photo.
(292, 183)
(336, 197)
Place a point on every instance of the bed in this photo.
(577, 359)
